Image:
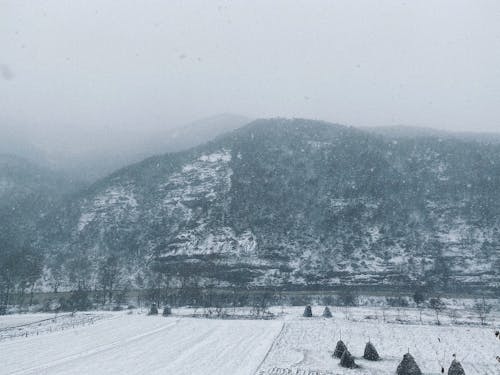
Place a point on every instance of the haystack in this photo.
(153, 310)
(167, 311)
(339, 349)
(327, 313)
(347, 360)
(308, 312)
(456, 368)
(408, 366)
(371, 353)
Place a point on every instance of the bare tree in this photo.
(261, 302)
(109, 272)
(482, 310)
(438, 306)
(453, 314)
(419, 299)
(20, 268)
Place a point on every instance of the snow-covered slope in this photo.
(296, 201)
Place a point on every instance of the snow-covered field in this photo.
(306, 344)
(134, 343)
(25, 325)
(140, 344)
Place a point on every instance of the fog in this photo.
(82, 75)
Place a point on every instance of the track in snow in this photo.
(138, 344)
(306, 344)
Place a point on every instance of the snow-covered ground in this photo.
(305, 345)
(25, 325)
(134, 343)
(140, 344)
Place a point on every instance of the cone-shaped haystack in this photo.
(371, 353)
(347, 360)
(339, 349)
(456, 368)
(327, 313)
(408, 366)
(308, 312)
(153, 310)
(167, 311)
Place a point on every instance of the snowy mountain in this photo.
(293, 202)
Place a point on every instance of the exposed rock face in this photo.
(299, 202)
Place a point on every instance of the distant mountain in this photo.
(92, 164)
(27, 193)
(293, 202)
(195, 133)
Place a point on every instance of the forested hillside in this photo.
(288, 202)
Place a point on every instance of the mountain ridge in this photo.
(295, 202)
(406, 131)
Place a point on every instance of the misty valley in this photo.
(227, 187)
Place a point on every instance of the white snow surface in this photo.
(140, 344)
(134, 343)
(305, 345)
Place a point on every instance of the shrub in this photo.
(347, 298)
(397, 302)
(78, 300)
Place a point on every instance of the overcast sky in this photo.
(89, 69)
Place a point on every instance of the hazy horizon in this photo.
(88, 74)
